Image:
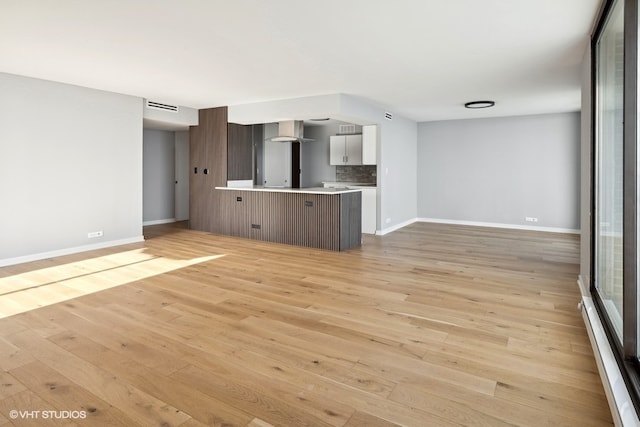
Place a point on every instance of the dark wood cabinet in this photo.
(239, 152)
(208, 167)
(198, 162)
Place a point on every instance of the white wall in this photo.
(158, 176)
(285, 109)
(501, 170)
(70, 163)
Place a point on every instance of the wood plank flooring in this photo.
(432, 325)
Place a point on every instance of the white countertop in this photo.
(348, 184)
(362, 187)
(313, 190)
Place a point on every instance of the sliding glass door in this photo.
(608, 231)
(614, 229)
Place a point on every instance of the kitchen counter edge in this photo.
(318, 190)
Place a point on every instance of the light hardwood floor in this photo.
(432, 325)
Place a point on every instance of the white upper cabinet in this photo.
(355, 149)
(336, 150)
(369, 144)
(345, 150)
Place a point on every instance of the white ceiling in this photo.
(421, 59)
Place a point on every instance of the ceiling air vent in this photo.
(388, 116)
(346, 129)
(160, 106)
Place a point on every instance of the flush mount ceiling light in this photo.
(479, 104)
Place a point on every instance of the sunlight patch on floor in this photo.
(30, 290)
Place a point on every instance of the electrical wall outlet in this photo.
(530, 219)
(94, 234)
(388, 220)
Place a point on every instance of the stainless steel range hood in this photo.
(290, 131)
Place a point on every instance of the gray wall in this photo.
(158, 175)
(501, 170)
(314, 156)
(397, 172)
(182, 175)
(397, 164)
(70, 163)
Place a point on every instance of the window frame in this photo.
(626, 352)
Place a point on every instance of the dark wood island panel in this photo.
(326, 221)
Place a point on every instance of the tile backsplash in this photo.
(364, 174)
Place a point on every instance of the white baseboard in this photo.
(620, 403)
(68, 251)
(159, 221)
(395, 227)
(498, 225)
(477, 224)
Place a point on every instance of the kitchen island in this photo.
(325, 218)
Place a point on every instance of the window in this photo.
(615, 184)
(609, 166)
